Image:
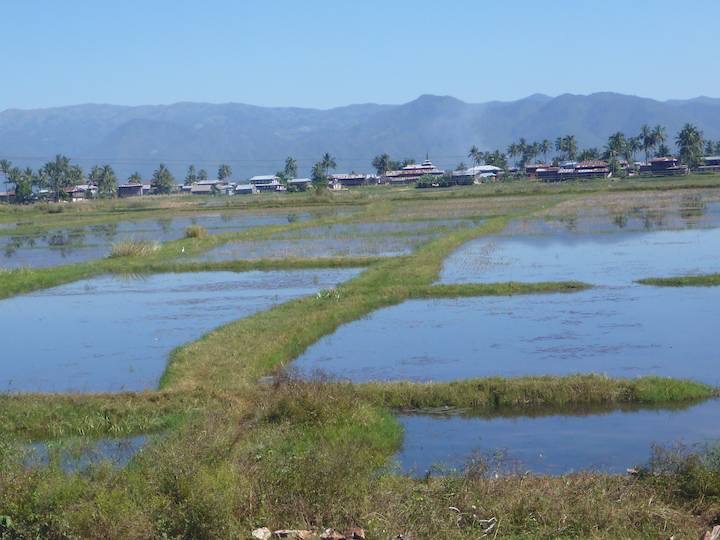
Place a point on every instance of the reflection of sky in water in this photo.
(606, 259)
(384, 239)
(65, 246)
(555, 444)
(74, 456)
(623, 332)
(110, 333)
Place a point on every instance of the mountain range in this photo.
(256, 140)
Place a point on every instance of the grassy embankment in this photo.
(703, 280)
(306, 454)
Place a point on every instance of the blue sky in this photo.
(331, 53)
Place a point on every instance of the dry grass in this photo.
(133, 248)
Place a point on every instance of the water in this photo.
(75, 456)
(556, 443)
(608, 259)
(381, 239)
(66, 246)
(623, 332)
(112, 333)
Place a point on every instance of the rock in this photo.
(263, 533)
(712, 535)
(294, 534)
(356, 533)
(332, 534)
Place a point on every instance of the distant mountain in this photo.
(255, 140)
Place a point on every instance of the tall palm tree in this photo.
(291, 168)
(659, 135)
(647, 140)
(328, 162)
(544, 148)
(616, 145)
(690, 143)
(476, 155)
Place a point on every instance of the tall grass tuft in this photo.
(195, 231)
(133, 248)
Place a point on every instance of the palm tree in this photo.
(107, 183)
(616, 145)
(476, 155)
(328, 162)
(202, 175)
(162, 179)
(135, 178)
(224, 172)
(544, 148)
(647, 140)
(190, 176)
(690, 143)
(291, 168)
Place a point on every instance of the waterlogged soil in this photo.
(113, 333)
(382, 239)
(622, 332)
(556, 443)
(75, 456)
(603, 259)
(66, 246)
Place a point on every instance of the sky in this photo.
(323, 54)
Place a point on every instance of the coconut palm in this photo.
(476, 155)
(291, 168)
(647, 140)
(544, 148)
(690, 143)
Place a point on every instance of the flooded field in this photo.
(607, 259)
(112, 333)
(553, 444)
(66, 246)
(381, 239)
(622, 332)
(76, 455)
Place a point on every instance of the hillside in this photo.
(255, 140)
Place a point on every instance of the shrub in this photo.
(195, 231)
(133, 248)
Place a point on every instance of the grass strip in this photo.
(703, 280)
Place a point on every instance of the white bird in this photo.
(182, 250)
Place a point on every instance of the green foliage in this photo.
(195, 231)
(224, 172)
(690, 144)
(162, 180)
(133, 248)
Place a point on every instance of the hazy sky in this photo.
(336, 52)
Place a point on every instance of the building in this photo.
(532, 168)
(595, 168)
(710, 164)
(268, 182)
(202, 189)
(245, 189)
(130, 190)
(348, 180)
(80, 192)
(411, 173)
(301, 184)
(664, 166)
(7, 196)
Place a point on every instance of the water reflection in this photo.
(113, 333)
(622, 332)
(76, 455)
(608, 441)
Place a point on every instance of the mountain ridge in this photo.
(255, 139)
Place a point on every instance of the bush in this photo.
(195, 231)
(133, 248)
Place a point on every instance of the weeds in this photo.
(195, 231)
(133, 248)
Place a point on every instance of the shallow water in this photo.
(74, 456)
(66, 246)
(606, 259)
(555, 444)
(112, 333)
(377, 239)
(623, 332)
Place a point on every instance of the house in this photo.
(410, 173)
(711, 164)
(268, 182)
(130, 190)
(202, 189)
(548, 174)
(348, 180)
(532, 168)
(147, 189)
(595, 168)
(79, 193)
(7, 196)
(245, 189)
(301, 184)
(664, 166)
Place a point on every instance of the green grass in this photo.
(491, 394)
(133, 248)
(704, 280)
(237, 454)
(195, 231)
